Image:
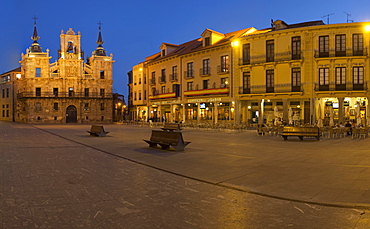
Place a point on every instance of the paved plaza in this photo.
(57, 176)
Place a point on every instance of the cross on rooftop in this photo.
(34, 18)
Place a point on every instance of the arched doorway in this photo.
(71, 114)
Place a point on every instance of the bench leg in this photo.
(164, 146)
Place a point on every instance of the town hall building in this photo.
(69, 90)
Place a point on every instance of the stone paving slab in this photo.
(329, 171)
(67, 181)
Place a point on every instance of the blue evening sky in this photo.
(133, 30)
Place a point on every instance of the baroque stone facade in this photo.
(69, 90)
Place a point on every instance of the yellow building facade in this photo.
(288, 73)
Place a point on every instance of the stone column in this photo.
(183, 112)
(172, 114)
(341, 109)
(285, 111)
(216, 113)
(368, 111)
(237, 112)
(261, 111)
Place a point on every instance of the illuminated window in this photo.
(323, 79)
(358, 78)
(224, 64)
(340, 45)
(324, 46)
(358, 44)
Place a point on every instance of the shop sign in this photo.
(210, 100)
(166, 102)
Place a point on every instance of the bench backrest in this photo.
(171, 126)
(294, 129)
(166, 136)
(96, 129)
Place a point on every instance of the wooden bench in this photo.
(301, 132)
(165, 139)
(171, 127)
(97, 131)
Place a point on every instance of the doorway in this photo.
(71, 114)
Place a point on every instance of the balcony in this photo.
(163, 96)
(223, 69)
(278, 57)
(277, 88)
(162, 79)
(173, 77)
(189, 74)
(152, 81)
(341, 87)
(24, 95)
(348, 53)
(212, 91)
(205, 71)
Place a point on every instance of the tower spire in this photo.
(100, 50)
(35, 45)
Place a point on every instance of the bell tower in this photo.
(70, 45)
(70, 54)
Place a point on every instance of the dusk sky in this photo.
(133, 30)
